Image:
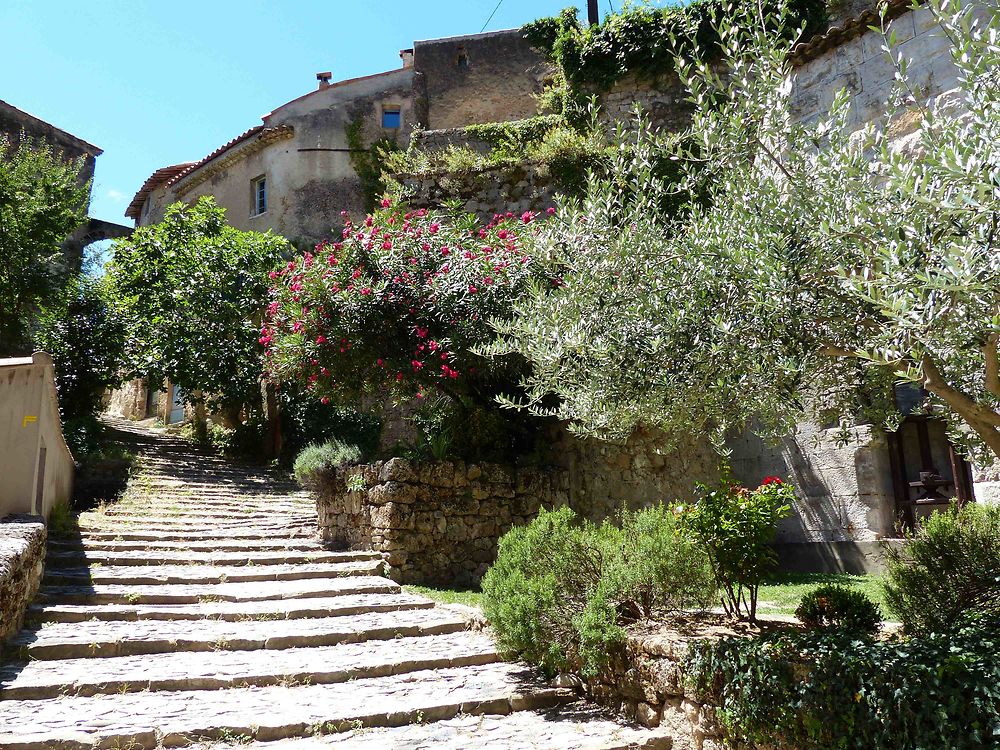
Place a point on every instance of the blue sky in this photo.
(156, 83)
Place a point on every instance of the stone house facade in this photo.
(295, 171)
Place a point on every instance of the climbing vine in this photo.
(368, 161)
(644, 40)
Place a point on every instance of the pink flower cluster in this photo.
(400, 298)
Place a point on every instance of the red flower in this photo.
(771, 480)
(321, 339)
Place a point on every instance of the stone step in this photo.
(222, 592)
(138, 515)
(147, 720)
(232, 545)
(197, 535)
(275, 609)
(573, 726)
(195, 523)
(73, 640)
(57, 560)
(227, 669)
(130, 575)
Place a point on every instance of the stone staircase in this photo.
(200, 610)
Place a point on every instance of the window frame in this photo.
(255, 194)
(392, 109)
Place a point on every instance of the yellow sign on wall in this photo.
(28, 420)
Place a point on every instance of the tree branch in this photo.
(992, 364)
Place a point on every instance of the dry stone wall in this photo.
(22, 555)
(485, 192)
(435, 522)
(646, 681)
(439, 522)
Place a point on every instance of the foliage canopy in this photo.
(810, 258)
(193, 290)
(41, 202)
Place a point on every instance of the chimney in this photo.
(406, 55)
(324, 79)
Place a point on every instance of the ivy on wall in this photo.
(369, 162)
(566, 151)
(643, 41)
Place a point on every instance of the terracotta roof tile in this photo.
(218, 152)
(152, 182)
(850, 29)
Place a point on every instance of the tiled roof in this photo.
(850, 29)
(218, 152)
(152, 182)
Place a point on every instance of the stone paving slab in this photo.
(97, 638)
(232, 592)
(201, 557)
(265, 523)
(138, 534)
(287, 609)
(577, 726)
(269, 713)
(172, 574)
(274, 544)
(227, 669)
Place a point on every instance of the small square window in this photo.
(392, 118)
(259, 204)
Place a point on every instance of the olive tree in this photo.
(806, 257)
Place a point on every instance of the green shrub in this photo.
(736, 526)
(829, 689)
(562, 591)
(949, 568)
(317, 458)
(833, 607)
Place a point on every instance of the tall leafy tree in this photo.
(809, 257)
(192, 290)
(41, 202)
(83, 331)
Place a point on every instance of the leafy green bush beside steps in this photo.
(828, 690)
(562, 590)
(947, 570)
(317, 458)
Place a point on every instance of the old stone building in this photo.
(17, 126)
(306, 161)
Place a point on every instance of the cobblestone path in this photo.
(200, 610)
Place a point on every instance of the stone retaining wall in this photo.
(22, 556)
(439, 522)
(435, 522)
(485, 192)
(647, 682)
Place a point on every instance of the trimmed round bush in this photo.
(563, 590)
(834, 607)
(947, 571)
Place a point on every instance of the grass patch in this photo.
(468, 597)
(782, 594)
